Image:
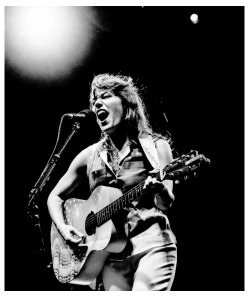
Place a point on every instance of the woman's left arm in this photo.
(163, 190)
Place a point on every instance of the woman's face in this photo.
(108, 109)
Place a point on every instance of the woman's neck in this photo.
(119, 136)
(119, 140)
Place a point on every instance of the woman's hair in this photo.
(136, 116)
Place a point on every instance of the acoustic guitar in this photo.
(102, 220)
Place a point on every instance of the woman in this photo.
(127, 154)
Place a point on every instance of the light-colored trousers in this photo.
(152, 270)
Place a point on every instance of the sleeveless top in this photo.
(148, 225)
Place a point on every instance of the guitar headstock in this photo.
(184, 166)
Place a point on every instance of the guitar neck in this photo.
(126, 199)
(115, 207)
(180, 167)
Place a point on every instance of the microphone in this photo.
(86, 113)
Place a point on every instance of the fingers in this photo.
(72, 235)
(154, 184)
(148, 182)
(76, 236)
(75, 239)
(145, 184)
(78, 233)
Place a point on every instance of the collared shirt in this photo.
(148, 226)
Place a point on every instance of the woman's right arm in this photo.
(70, 180)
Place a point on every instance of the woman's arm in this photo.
(70, 180)
(163, 190)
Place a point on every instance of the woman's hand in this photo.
(70, 234)
(162, 190)
(154, 185)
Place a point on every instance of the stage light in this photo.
(47, 42)
(194, 18)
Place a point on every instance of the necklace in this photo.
(116, 155)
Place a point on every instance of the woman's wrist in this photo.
(164, 197)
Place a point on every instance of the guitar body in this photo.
(97, 242)
(102, 220)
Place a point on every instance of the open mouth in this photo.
(102, 114)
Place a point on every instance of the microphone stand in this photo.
(33, 209)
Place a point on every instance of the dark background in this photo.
(194, 73)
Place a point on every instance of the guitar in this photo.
(99, 219)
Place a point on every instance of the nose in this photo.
(98, 103)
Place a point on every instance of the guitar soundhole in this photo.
(90, 223)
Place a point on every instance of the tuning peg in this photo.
(207, 160)
(194, 153)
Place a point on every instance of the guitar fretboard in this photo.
(125, 200)
(181, 166)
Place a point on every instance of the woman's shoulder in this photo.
(163, 146)
(82, 157)
(159, 139)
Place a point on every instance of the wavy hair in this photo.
(136, 116)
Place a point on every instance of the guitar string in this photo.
(124, 199)
(104, 213)
(109, 208)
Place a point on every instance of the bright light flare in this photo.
(47, 42)
(194, 18)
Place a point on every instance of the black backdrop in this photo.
(194, 73)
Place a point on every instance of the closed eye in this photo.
(103, 96)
